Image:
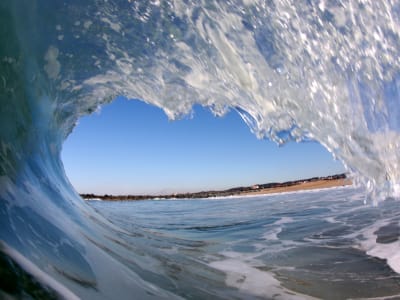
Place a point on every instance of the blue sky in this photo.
(130, 147)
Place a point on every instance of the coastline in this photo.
(319, 184)
(257, 189)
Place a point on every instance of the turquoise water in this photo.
(294, 70)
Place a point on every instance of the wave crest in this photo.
(294, 71)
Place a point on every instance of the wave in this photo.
(294, 70)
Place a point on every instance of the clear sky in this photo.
(132, 148)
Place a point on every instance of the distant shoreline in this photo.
(257, 189)
(318, 184)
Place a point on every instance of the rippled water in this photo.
(295, 245)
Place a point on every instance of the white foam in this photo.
(389, 252)
(253, 281)
(87, 24)
(53, 66)
(272, 235)
(114, 26)
(331, 220)
(284, 220)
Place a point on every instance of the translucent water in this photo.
(294, 70)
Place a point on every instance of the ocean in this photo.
(324, 244)
(295, 70)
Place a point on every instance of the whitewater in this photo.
(294, 70)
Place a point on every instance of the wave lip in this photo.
(294, 71)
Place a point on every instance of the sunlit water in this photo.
(295, 245)
(294, 70)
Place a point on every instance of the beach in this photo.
(257, 189)
(306, 185)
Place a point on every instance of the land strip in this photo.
(257, 189)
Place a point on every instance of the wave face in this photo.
(294, 70)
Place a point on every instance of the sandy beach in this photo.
(258, 189)
(307, 185)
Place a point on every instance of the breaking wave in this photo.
(294, 70)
